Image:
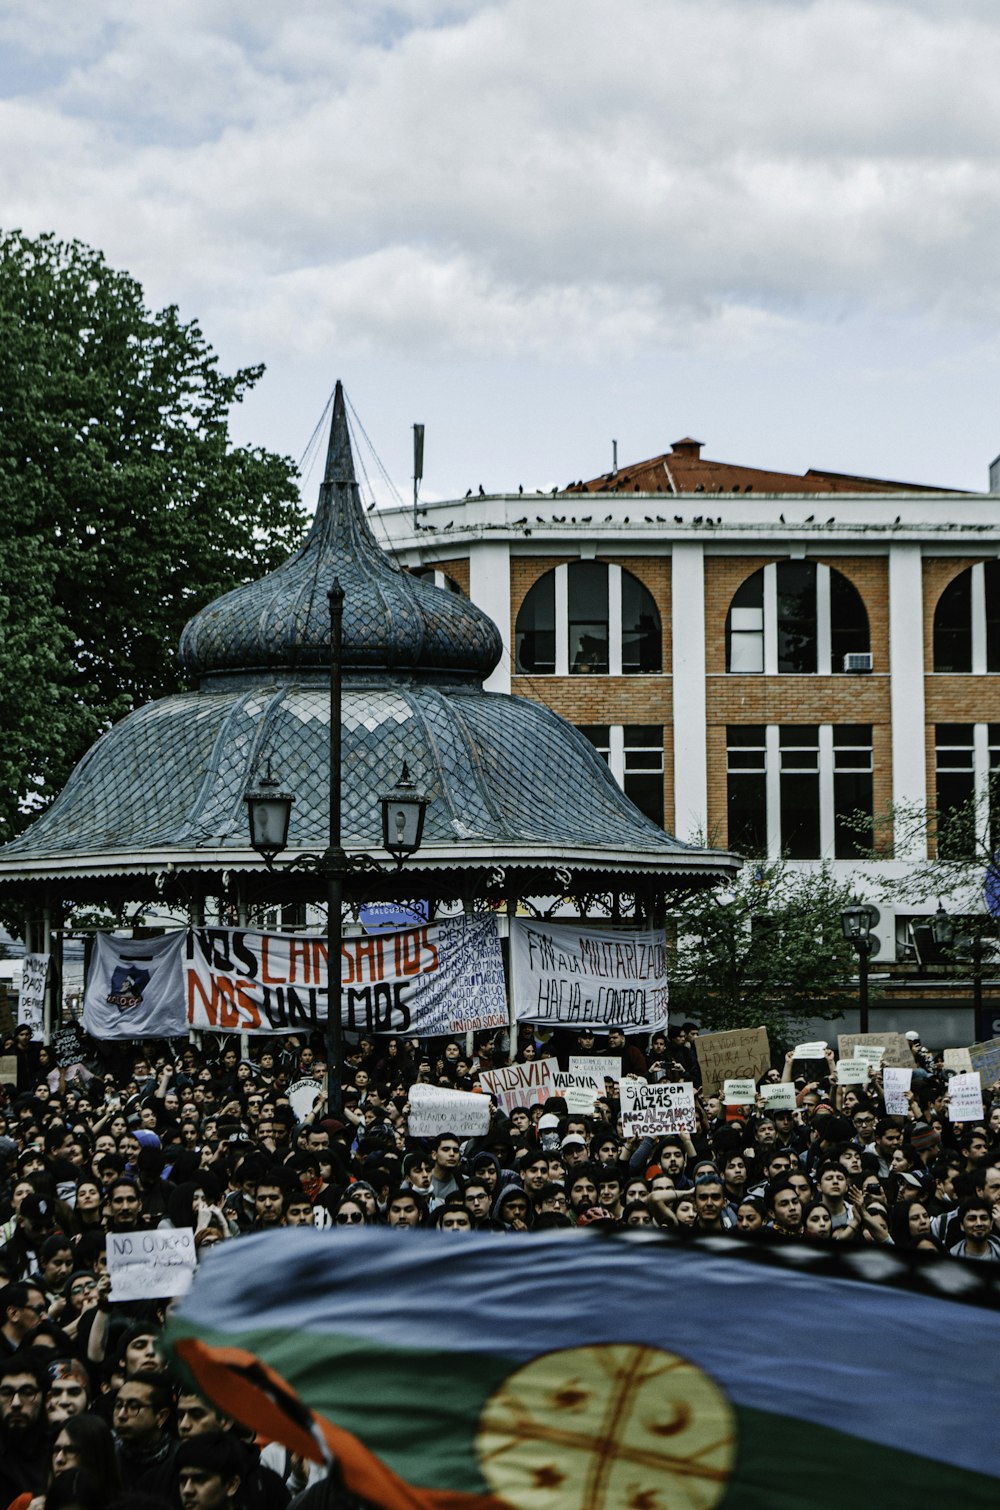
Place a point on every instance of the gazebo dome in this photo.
(519, 798)
(393, 621)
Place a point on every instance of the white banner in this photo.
(146, 1265)
(135, 988)
(520, 1084)
(435, 1109)
(663, 1108)
(593, 977)
(31, 1000)
(442, 977)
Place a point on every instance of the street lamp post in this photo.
(269, 809)
(856, 922)
(966, 946)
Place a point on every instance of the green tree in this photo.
(125, 505)
(767, 950)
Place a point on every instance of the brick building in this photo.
(757, 654)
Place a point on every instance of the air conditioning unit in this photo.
(857, 662)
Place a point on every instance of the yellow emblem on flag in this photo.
(615, 1426)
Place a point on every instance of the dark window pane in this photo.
(748, 814)
(852, 734)
(956, 820)
(800, 817)
(536, 629)
(588, 617)
(744, 734)
(641, 640)
(643, 734)
(796, 616)
(799, 736)
(848, 621)
(991, 573)
(852, 796)
(953, 626)
(599, 736)
(954, 734)
(646, 791)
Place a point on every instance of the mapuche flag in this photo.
(563, 1372)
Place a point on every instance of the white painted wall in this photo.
(689, 712)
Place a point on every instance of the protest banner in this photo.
(724, 1056)
(815, 1049)
(594, 977)
(985, 1057)
(579, 1091)
(135, 988)
(957, 1059)
(965, 1097)
(780, 1097)
(897, 1048)
(609, 1068)
(31, 1001)
(853, 1071)
(302, 1097)
(520, 1084)
(663, 1108)
(896, 1085)
(739, 1092)
(436, 1109)
(444, 977)
(67, 1045)
(150, 1265)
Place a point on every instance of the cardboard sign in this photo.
(896, 1046)
(814, 1050)
(853, 1071)
(896, 1085)
(151, 1265)
(780, 1097)
(302, 1097)
(663, 1108)
(436, 1109)
(985, 1057)
(608, 1068)
(957, 1059)
(739, 1092)
(580, 1091)
(520, 1084)
(965, 1098)
(742, 1052)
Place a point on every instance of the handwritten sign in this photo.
(302, 1097)
(664, 1108)
(957, 1059)
(965, 1098)
(896, 1085)
(31, 1002)
(605, 1068)
(594, 977)
(814, 1050)
(780, 1097)
(739, 1092)
(150, 1265)
(520, 1084)
(742, 1052)
(985, 1057)
(853, 1071)
(436, 1109)
(580, 1091)
(895, 1045)
(871, 1053)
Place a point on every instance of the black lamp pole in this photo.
(335, 865)
(863, 946)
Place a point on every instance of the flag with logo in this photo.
(568, 1372)
(132, 988)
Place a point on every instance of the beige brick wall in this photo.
(457, 568)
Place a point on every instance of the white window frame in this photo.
(826, 761)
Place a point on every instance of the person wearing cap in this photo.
(574, 1150)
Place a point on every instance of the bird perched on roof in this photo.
(482, 491)
(469, 493)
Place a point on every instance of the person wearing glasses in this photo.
(23, 1455)
(23, 1307)
(146, 1449)
(350, 1213)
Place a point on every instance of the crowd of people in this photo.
(169, 1134)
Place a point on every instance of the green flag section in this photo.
(567, 1372)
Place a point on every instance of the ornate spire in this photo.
(392, 620)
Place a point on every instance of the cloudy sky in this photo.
(535, 225)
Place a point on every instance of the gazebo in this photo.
(521, 807)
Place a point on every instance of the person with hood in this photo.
(511, 1208)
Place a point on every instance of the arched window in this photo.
(967, 621)
(588, 618)
(797, 617)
